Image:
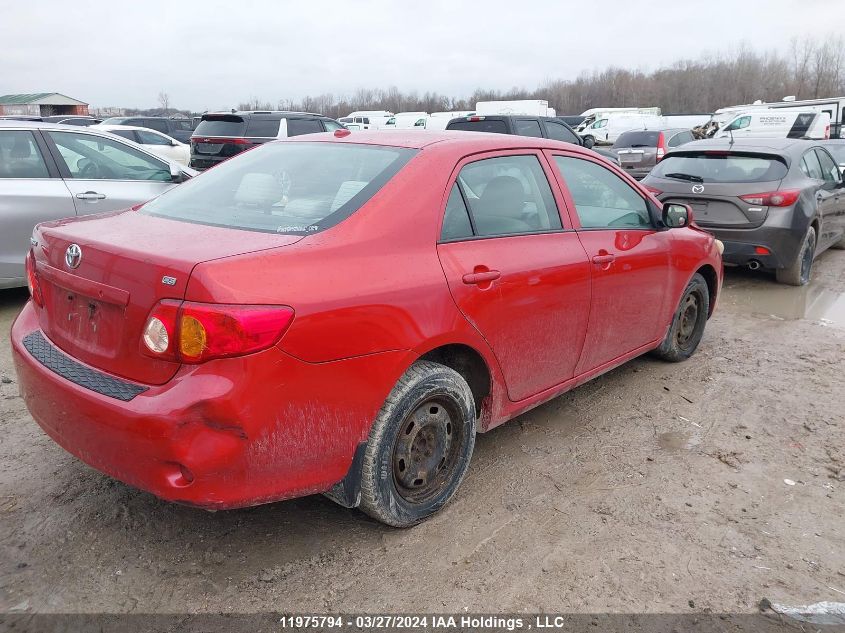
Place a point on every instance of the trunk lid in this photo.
(712, 181)
(718, 205)
(96, 311)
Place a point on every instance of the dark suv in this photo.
(538, 126)
(222, 135)
(177, 128)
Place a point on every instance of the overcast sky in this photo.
(213, 54)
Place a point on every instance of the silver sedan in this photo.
(51, 171)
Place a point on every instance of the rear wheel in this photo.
(798, 273)
(589, 141)
(687, 326)
(419, 447)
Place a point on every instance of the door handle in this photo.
(482, 277)
(91, 195)
(603, 259)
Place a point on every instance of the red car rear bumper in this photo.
(227, 433)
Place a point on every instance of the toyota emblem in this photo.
(698, 188)
(73, 256)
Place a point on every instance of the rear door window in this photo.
(157, 124)
(151, 138)
(602, 199)
(20, 156)
(268, 128)
(127, 134)
(830, 171)
(527, 127)
(810, 166)
(297, 127)
(496, 126)
(559, 132)
(703, 167)
(508, 195)
(90, 157)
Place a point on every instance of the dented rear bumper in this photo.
(228, 433)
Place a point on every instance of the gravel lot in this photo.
(655, 488)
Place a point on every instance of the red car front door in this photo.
(515, 271)
(629, 259)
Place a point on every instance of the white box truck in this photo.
(527, 107)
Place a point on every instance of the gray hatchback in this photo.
(638, 151)
(775, 203)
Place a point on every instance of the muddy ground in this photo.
(655, 488)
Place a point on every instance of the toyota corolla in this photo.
(342, 314)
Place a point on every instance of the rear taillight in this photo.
(32, 280)
(191, 332)
(661, 146)
(783, 198)
(653, 190)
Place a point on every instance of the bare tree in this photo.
(164, 102)
(809, 67)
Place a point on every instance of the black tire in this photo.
(687, 326)
(798, 272)
(589, 142)
(419, 446)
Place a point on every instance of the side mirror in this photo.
(176, 173)
(676, 216)
(589, 142)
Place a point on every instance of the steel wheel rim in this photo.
(688, 318)
(427, 449)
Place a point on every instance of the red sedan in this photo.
(342, 314)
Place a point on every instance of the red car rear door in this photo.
(516, 272)
(629, 258)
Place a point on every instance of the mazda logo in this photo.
(698, 188)
(73, 256)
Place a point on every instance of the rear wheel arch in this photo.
(470, 364)
(712, 278)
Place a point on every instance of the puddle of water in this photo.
(676, 441)
(812, 302)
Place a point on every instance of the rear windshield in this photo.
(497, 126)
(223, 126)
(637, 139)
(720, 167)
(293, 188)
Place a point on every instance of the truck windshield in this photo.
(496, 126)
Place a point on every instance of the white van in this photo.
(594, 114)
(605, 130)
(439, 120)
(407, 121)
(366, 119)
(781, 123)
